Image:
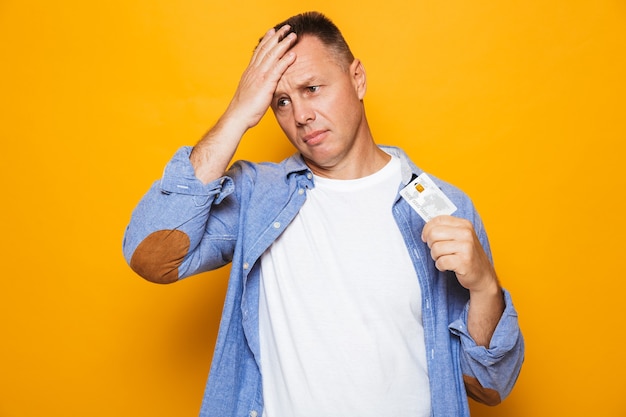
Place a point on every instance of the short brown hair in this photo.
(320, 26)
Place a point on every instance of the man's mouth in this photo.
(314, 137)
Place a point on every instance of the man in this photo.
(342, 300)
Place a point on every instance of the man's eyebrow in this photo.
(310, 80)
(303, 83)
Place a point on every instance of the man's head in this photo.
(317, 25)
(318, 101)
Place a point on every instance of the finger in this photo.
(447, 228)
(453, 256)
(432, 224)
(440, 233)
(283, 63)
(446, 263)
(276, 61)
(450, 247)
(271, 36)
(446, 220)
(272, 39)
(273, 56)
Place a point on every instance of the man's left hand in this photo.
(454, 246)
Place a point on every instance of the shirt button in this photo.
(276, 225)
(246, 265)
(309, 175)
(253, 413)
(300, 191)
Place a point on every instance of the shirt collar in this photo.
(295, 164)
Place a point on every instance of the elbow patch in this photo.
(479, 393)
(159, 255)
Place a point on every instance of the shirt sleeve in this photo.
(490, 373)
(181, 226)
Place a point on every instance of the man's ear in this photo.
(359, 79)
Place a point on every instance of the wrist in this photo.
(488, 292)
(488, 286)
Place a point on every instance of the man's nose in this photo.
(303, 113)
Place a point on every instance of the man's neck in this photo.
(361, 163)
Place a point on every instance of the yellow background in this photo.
(520, 103)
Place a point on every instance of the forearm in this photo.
(485, 310)
(458, 245)
(212, 154)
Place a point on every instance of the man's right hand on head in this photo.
(212, 154)
(270, 60)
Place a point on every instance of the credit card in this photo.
(426, 198)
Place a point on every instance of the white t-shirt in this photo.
(340, 311)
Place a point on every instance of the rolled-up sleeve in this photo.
(490, 373)
(175, 230)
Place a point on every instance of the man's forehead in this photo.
(301, 74)
(312, 63)
(296, 81)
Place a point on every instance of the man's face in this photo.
(318, 104)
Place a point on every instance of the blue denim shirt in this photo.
(237, 217)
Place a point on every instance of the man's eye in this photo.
(313, 88)
(282, 102)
